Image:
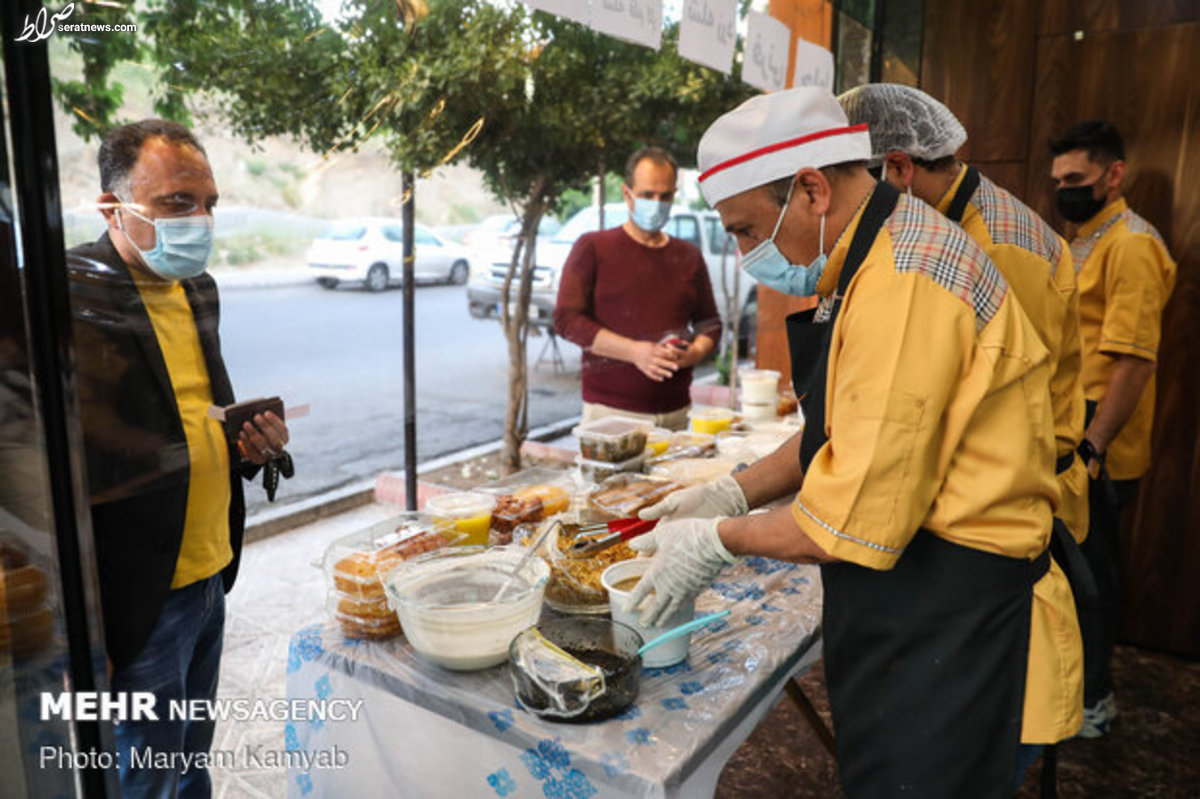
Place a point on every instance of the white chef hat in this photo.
(904, 119)
(773, 136)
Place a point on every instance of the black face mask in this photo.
(1078, 204)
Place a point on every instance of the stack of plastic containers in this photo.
(356, 565)
(760, 393)
(611, 445)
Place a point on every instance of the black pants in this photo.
(1098, 622)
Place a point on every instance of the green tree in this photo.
(536, 103)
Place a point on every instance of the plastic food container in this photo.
(623, 495)
(599, 471)
(755, 412)
(759, 386)
(711, 420)
(620, 580)
(548, 678)
(613, 439)
(353, 564)
(469, 512)
(686, 444)
(692, 471)
(657, 441)
(446, 603)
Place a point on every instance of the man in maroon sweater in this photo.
(639, 303)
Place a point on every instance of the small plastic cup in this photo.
(711, 420)
(469, 512)
(657, 441)
(620, 580)
(759, 386)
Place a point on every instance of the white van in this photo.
(702, 228)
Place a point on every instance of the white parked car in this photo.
(369, 250)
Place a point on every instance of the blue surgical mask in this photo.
(182, 245)
(650, 215)
(768, 266)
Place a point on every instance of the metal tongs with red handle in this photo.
(595, 537)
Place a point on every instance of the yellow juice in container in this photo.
(711, 420)
(657, 441)
(470, 513)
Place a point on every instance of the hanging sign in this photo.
(708, 33)
(637, 21)
(814, 66)
(764, 63)
(576, 10)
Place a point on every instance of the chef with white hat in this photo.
(925, 395)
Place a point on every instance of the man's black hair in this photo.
(121, 147)
(1099, 137)
(656, 154)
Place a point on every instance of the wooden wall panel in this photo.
(1144, 82)
(812, 20)
(978, 59)
(1068, 16)
(1006, 174)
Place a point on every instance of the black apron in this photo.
(925, 662)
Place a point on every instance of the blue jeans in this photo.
(180, 661)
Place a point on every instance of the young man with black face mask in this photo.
(1125, 276)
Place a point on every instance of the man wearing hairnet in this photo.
(914, 139)
(926, 399)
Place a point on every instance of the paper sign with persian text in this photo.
(766, 57)
(708, 33)
(814, 66)
(576, 10)
(637, 21)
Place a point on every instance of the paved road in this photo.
(341, 351)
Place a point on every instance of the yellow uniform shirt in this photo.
(1125, 276)
(205, 549)
(938, 415)
(1036, 264)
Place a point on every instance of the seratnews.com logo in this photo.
(44, 24)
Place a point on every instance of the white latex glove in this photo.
(721, 497)
(688, 554)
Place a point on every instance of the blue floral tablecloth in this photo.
(424, 731)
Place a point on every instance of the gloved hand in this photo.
(688, 554)
(721, 497)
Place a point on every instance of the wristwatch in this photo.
(1088, 452)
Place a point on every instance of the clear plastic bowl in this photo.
(446, 603)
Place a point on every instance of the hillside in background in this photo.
(275, 195)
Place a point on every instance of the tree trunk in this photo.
(515, 320)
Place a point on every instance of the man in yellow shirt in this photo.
(164, 480)
(914, 139)
(924, 469)
(1125, 277)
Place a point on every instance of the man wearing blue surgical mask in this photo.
(164, 480)
(639, 303)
